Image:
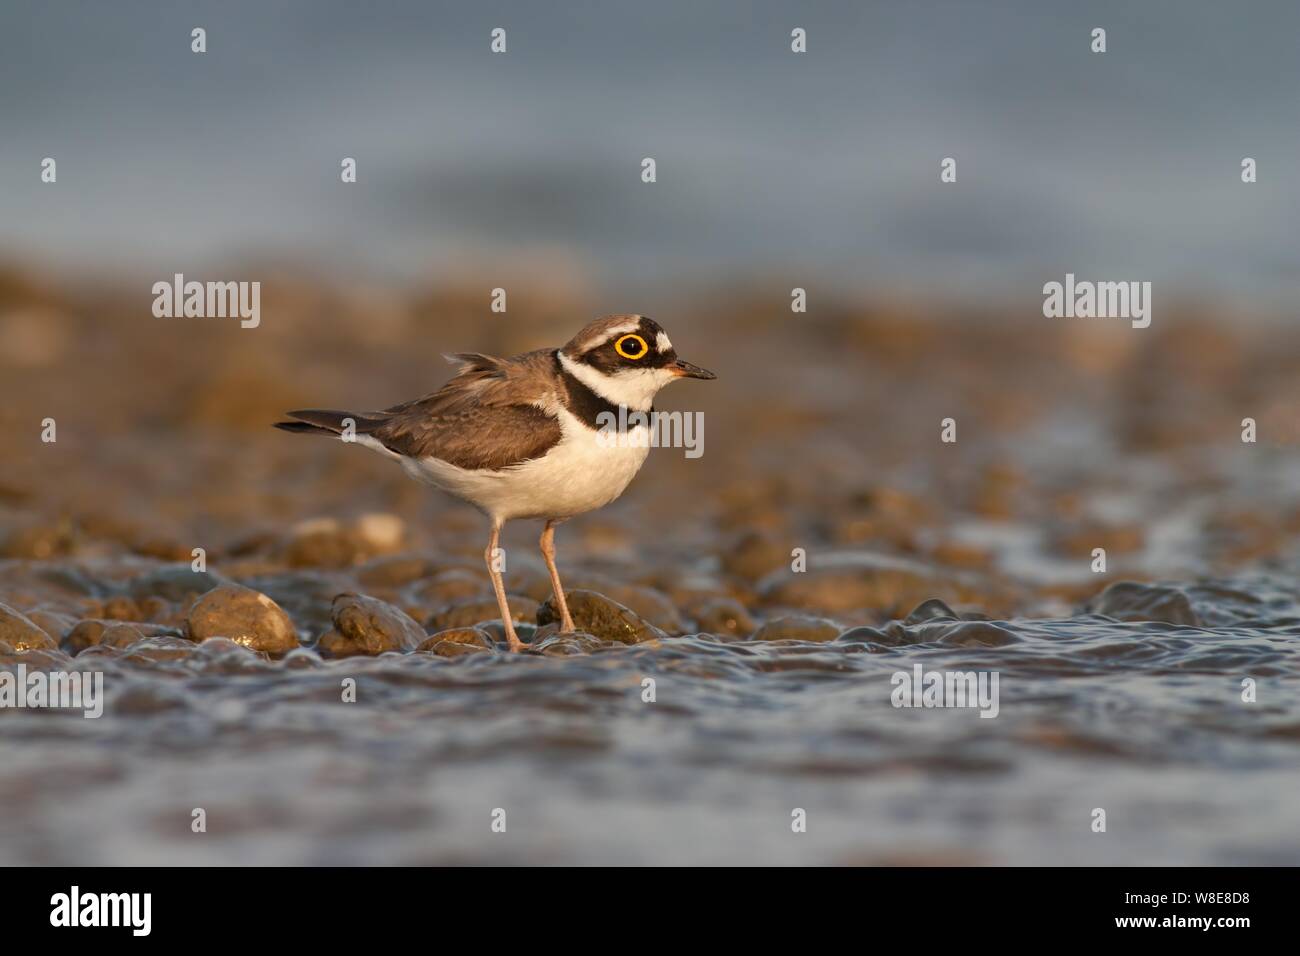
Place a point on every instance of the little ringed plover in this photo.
(521, 437)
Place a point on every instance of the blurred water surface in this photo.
(1123, 165)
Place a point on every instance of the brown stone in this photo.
(244, 616)
(724, 615)
(798, 627)
(368, 626)
(595, 614)
(456, 641)
(21, 633)
(523, 610)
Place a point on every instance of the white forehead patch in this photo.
(629, 326)
(662, 343)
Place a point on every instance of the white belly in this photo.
(578, 475)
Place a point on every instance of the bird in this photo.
(527, 437)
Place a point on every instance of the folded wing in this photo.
(489, 416)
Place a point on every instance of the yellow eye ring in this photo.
(638, 341)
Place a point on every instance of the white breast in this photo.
(579, 474)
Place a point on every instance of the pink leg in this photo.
(499, 587)
(548, 552)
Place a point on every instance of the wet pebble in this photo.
(216, 655)
(244, 616)
(150, 609)
(456, 641)
(121, 636)
(22, 633)
(932, 610)
(1133, 601)
(798, 627)
(650, 604)
(393, 571)
(755, 555)
(549, 642)
(380, 532)
(54, 623)
(527, 579)
(306, 595)
(948, 633)
(320, 543)
(448, 585)
(328, 543)
(36, 659)
(368, 626)
(468, 613)
(724, 615)
(594, 613)
(95, 632)
(972, 634)
(864, 635)
(161, 648)
(883, 514)
(301, 659)
(39, 542)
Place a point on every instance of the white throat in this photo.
(634, 388)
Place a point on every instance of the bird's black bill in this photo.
(687, 370)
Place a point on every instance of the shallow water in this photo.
(1144, 720)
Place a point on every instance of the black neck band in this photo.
(585, 403)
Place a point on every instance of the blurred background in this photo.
(775, 170)
(1123, 164)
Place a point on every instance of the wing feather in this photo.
(492, 414)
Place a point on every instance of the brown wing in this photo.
(482, 418)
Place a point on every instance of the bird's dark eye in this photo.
(631, 346)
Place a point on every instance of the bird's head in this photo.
(626, 359)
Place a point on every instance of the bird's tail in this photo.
(324, 421)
